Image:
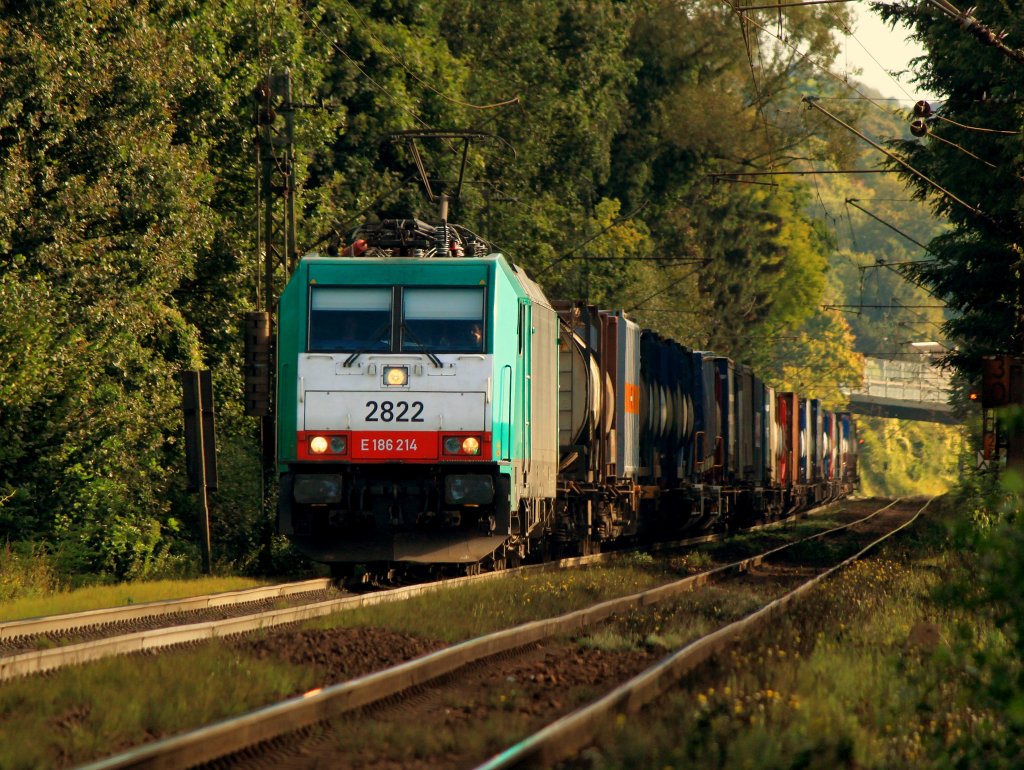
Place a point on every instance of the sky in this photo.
(874, 48)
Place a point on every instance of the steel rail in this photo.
(321, 704)
(38, 661)
(566, 736)
(98, 617)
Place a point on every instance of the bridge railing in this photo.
(904, 381)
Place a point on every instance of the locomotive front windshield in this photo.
(432, 320)
(350, 319)
(443, 320)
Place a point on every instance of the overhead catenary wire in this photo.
(565, 255)
(816, 64)
(828, 214)
(856, 204)
(805, 172)
(962, 149)
(862, 96)
(805, 4)
(812, 104)
(893, 305)
(394, 99)
(980, 129)
(643, 258)
(668, 287)
(849, 33)
(838, 306)
(342, 228)
(878, 264)
(759, 99)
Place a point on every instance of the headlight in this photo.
(462, 445)
(396, 376)
(325, 447)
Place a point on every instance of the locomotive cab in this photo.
(404, 427)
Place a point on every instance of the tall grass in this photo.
(32, 585)
(26, 571)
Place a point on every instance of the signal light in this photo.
(973, 396)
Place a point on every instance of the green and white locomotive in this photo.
(417, 385)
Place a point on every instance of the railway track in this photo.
(37, 645)
(266, 737)
(16, 634)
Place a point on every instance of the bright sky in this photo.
(874, 49)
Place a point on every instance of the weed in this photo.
(26, 571)
(54, 600)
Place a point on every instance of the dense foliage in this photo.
(127, 211)
(972, 151)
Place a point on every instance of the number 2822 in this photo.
(394, 411)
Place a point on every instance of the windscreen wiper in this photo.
(352, 358)
(433, 359)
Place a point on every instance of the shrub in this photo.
(26, 570)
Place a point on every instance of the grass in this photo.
(671, 625)
(88, 711)
(840, 684)
(462, 613)
(57, 602)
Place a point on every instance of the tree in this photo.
(972, 150)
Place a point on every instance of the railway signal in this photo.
(1002, 389)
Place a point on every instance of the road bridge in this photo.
(907, 390)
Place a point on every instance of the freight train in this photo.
(435, 407)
